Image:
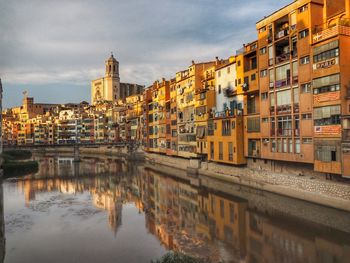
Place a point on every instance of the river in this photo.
(111, 210)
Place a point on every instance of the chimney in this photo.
(216, 61)
(193, 62)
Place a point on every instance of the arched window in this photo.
(110, 68)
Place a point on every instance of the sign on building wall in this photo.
(328, 130)
(328, 96)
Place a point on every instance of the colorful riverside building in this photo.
(187, 83)
(304, 83)
(331, 89)
(204, 103)
(225, 127)
(173, 119)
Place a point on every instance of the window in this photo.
(283, 72)
(221, 156)
(326, 55)
(253, 77)
(297, 145)
(273, 145)
(290, 145)
(279, 145)
(327, 153)
(265, 120)
(305, 60)
(306, 116)
(211, 150)
(304, 33)
(264, 96)
(232, 213)
(263, 51)
(306, 88)
(307, 140)
(262, 29)
(226, 127)
(296, 95)
(230, 151)
(284, 98)
(329, 115)
(330, 88)
(228, 70)
(303, 9)
(326, 81)
(263, 73)
(219, 89)
(222, 209)
(285, 145)
(238, 63)
(219, 73)
(253, 124)
(284, 127)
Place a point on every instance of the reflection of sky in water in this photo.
(60, 227)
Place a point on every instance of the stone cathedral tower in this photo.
(108, 87)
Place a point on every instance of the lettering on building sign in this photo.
(329, 96)
(326, 64)
(328, 130)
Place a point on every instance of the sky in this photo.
(53, 49)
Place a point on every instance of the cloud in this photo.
(55, 44)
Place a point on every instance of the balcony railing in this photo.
(224, 114)
(229, 92)
(284, 132)
(282, 33)
(342, 28)
(283, 57)
(284, 109)
(282, 83)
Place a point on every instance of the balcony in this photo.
(224, 114)
(283, 57)
(283, 109)
(342, 28)
(209, 75)
(281, 33)
(282, 83)
(284, 132)
(229, 92)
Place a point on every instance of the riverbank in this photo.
(306, 188)
(17, 163)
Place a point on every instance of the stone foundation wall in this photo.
(288, 182)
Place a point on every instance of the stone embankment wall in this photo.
(309, 188)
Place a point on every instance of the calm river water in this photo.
(108, 210)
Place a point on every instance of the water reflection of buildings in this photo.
(220, 227)
(108, 192)
(193, 220)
